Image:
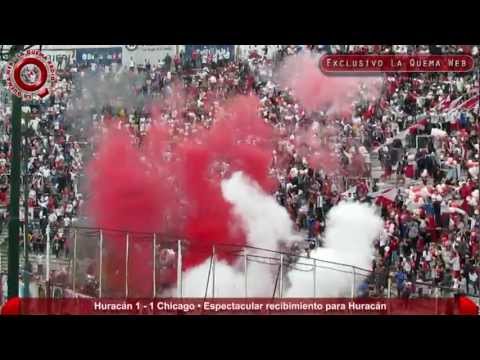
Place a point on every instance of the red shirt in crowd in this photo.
(474, 247)
(431, 224)
(465, 191)
(317, 228)
(51, 203)
(394, 244)
(31, 203)
(3, 197)
(444, 239)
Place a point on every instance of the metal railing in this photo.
(96, 269)
(92, 263)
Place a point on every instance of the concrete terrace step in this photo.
(55, 264)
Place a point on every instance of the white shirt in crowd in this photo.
(34, 124)
(69, 208)
(59, 211)
(473, 276)
(456, 263)
(427, 255)
(52, 217)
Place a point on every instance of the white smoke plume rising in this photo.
(229, 280)
(266, 223)
(351, 230)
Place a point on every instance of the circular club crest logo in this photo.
(29, 74)
(131, 47)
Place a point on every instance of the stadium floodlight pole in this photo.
(26, 265)
(478, 120)
(14, 223)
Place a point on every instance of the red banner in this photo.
(395, 63)
(257, 306)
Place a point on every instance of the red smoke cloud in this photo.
(314, 90)
(312, 145)
(137, 189)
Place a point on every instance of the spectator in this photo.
(400, 278)
(473, 279)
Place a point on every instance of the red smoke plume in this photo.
(315, 91)
(172, 187)
(137, 189)
(312, 145)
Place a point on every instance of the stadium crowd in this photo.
(432, 220)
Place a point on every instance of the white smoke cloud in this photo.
(266, 225)
(265, 222)
(331, 280)
(230, 280)
(351, 230)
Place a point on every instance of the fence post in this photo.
(245, 265)
(24, 242)
(213, 271)
(154, 277)
(101, 267)
(74, 259)
(314, 278)
(179, 269)
(126, 265)
(389, 291)
(47, 257)
(281, 277)
(353, 282)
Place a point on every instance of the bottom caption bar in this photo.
(79, 306)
